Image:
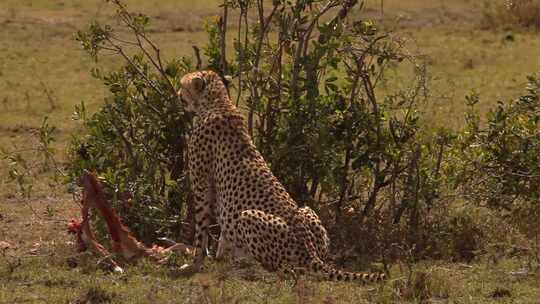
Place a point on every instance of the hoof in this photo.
(187, 267)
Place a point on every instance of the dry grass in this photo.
(44, 73)
(511, 13)
(43, 266)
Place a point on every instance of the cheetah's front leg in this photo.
(205, 200)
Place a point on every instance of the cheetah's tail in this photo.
(332, 274)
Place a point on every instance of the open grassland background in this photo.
(43, 72)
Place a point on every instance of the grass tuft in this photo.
(522, 13)
(95, 295)
(500, 292)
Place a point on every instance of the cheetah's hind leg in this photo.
(225, 246)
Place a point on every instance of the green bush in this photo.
(137, 140)
(501, 160)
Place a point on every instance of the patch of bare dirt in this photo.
(34, 227)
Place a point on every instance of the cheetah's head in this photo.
(201, 91)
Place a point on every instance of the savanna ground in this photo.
(43, 72)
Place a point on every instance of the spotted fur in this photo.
(321, 240)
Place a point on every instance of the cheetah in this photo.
(230, 177)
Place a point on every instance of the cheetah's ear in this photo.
(199, 83)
